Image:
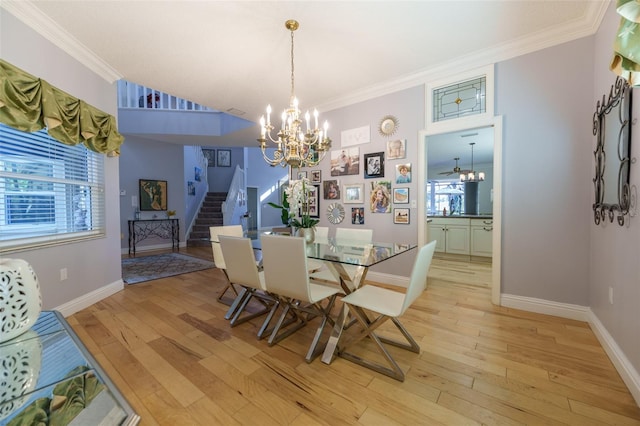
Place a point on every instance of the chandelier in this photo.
(470, 176)
(295, 147)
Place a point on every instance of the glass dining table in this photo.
(348, 263)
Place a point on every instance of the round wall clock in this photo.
(335, 213)
(388, 125)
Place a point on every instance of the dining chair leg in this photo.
(369, 327)
(412, 346)
(277, 335)
(230, 286)
(242, 296)
(237, 319)
(313, 353)
(264, 331)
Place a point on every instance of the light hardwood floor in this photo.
(168, 348)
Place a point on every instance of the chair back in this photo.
(284, 260)
(214, 232)
(322, 234)
(418, 280)
(352, 234)
(240, 262)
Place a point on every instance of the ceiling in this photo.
(236, 54)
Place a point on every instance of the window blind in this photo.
(50, 193)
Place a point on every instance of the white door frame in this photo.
(460, 125)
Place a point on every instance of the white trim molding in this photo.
(547, 307)
(28, 13)
(620, 361)
(89, 299)
(629, 374)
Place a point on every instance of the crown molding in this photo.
(573, 30)
(47, 28)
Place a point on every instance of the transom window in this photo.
(50, 193)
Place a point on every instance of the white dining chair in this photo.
(218, 257)
(344, 236)
(284, 260)
(322, 234)
(354, 234)
(386, 304)
(242, 271)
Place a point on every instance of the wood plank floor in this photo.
(169, 350)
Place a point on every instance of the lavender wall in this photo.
(147, 159)
(409, 107)
(614, 249)
(92, 264)
(547, 103)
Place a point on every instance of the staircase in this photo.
(210, 214)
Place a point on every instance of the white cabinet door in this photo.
(482, 238)
(437, 232)
(457, 239)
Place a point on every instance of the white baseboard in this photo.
(626, 370)
(380, 277)
(162, 246)
(89, 299)
(628, 373)
(541, 306)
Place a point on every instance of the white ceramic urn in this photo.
(20, 299)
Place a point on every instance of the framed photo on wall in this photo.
(357, 215)
(153, 195)
(396, 149)
(210, 155)
(224, 158)
(314, 202)
(331, 190)
(400, 195)
(315, 176)
(353, 193)
(374, 165)
(401, 216)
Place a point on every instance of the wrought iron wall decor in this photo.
(612, 128)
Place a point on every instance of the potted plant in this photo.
(295, 209)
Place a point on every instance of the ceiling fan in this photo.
(456, 169)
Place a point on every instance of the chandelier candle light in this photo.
(471, 176)
(295, 147)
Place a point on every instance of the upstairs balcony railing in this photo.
(131, 95)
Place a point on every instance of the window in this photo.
(468, 95)
(50, 193)
(445, 194)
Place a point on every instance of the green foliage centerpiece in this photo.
(295, 208)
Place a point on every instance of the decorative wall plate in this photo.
(388, 125)
(335, 213)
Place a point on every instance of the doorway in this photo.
(494, 123)
(252, 208)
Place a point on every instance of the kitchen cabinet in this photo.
(482, 237)
(451, 234)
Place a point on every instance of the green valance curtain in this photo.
(626, 57)
(29, 104)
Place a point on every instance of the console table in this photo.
(141, 229)
(50, 374)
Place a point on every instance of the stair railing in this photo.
(132, 95)
(191, 215)
(236, 197)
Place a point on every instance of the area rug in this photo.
(139, 269)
